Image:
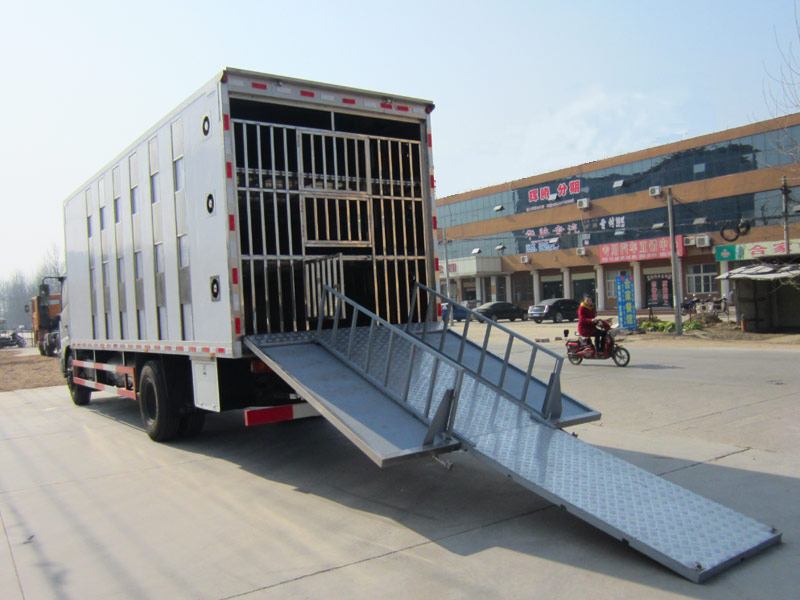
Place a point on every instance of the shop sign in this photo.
(626, 309)
(755, 250)
(639, 250)
(545, 197)
(659, 289)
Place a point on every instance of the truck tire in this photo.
(159, 412)
(80, 395)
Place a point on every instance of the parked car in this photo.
(459, 314)
(501, 310)
(557, 309)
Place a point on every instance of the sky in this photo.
(520, 87)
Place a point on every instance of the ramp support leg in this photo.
(551, 409)
(440, 419)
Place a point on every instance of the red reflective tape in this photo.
(348, 100)
(234, 275)
(307, 94)
(434, 222)
(403, 108)
(430, 141)
(436, 262)
(259, 86)
(157, 347)
(238, 324)
(179, 348)
(205, 349)
(232, 222)
(226, 122)
(439, 308)
(192, 348)
(433, 181)
(262, 416)
(386, 105)
(220, 350)
(126, 393)
(167, 347)
(229, 170)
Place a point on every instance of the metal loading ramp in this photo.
(393, 393)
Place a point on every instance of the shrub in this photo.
(693, 325)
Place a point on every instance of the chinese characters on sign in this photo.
(659, 289)
(639, 250)
(626, 310)
(544, 197)
(755, 250)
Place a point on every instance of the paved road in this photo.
(91, 508)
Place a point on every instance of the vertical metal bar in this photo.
(392, 204)
(324, 163)
(428, 315)
(528, 375)
(434, 373)
(412, 306)
(388, 358)
(464, 338)
(352, 332)
(415, 206)
(456, 396)
(446, 322)
(369, 345)
(321, 310)
(485, 345)
(410, 372)
(505, 361)
(336, 319)
(313, 162)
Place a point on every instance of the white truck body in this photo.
(225, 218)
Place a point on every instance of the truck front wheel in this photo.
(80, 394)
(160, 414)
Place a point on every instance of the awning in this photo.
(763, 272)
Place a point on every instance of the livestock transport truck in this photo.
(268, 247)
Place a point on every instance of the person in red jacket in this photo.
(587, 323)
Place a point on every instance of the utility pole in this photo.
(676, 284)
(446, 265)
(785, 194)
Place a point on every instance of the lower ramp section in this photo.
(383, 430)
(688, 533)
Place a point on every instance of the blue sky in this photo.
(520, 87)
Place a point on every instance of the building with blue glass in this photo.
(571, 231)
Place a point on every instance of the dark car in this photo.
(501, 310)
(557, 309)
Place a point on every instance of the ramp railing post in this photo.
(464, 338)
(485, 346)
(429, 399)
(336, 314)
(352, 333)
(456, 396)
(413, 305)
(388, 359)
(369, 345)
(505, 361)
(446, 322)
(551, 408)
(528, 375)
(410, 373)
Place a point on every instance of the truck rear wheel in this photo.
(80, 394)
(159, 412)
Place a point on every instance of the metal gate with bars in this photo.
(326, 208)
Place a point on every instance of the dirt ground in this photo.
(21, 370)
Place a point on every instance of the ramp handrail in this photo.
(551, 408)
(394, 332)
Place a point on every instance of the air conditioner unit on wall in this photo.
(524, 259)
(702, 241)
(688, 240)
(580, 251)
(583, 203)
(655, 190)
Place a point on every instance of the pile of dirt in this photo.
(22, 370)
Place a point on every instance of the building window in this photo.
(700, 279)
(611, 282)
(134, 200)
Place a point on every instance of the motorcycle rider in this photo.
(587, 323)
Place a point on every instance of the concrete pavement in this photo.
(92, 509)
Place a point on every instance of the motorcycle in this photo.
(582, 348)
(15, 339)
(689, 306)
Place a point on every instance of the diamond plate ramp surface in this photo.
(692, 535)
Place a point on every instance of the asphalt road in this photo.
(91, 508)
